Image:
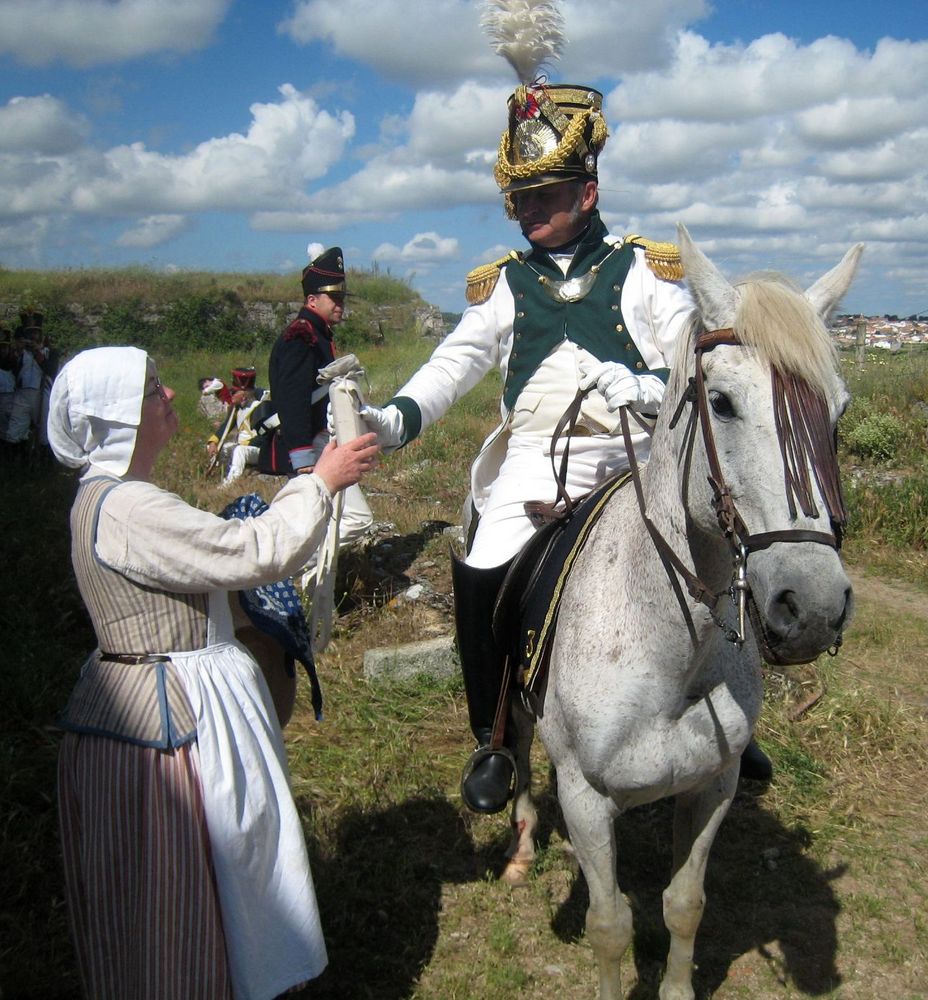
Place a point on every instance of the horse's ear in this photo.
(828, 291)
(715, 298)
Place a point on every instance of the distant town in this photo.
(883, 333)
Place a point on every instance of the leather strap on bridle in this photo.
(732, 525)
(730, 521)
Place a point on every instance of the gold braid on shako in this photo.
(570, 146)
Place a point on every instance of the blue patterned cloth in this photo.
(276, 609)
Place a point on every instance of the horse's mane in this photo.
(775, 319)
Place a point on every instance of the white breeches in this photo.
(526, 474)
(242, 455)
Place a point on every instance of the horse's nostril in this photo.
(786, 607)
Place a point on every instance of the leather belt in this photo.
(134, 659)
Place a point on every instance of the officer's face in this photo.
(555, 214)
(329, 307)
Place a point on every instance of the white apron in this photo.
(269, 913)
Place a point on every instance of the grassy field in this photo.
(816, 886)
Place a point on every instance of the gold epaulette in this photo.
(662, 258)
(482, 280)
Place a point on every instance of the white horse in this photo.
(652, 691)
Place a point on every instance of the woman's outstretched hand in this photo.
(344, 465)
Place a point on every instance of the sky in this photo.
(234, 135)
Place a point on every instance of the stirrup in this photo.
(478, 757)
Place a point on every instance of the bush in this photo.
(891, 513)
(878, 436)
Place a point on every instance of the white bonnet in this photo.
(96, 406)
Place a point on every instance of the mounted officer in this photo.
(578, 309)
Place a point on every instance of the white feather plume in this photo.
(526, 33)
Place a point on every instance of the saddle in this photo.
(529, 599)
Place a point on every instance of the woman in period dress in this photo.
(186, 869)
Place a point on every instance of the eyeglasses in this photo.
(156, 390)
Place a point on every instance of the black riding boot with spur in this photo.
(488, 777)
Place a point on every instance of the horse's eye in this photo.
(721, 405)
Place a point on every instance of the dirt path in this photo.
(897, 595)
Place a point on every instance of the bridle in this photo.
(806, 440)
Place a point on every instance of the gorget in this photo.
(571, 289)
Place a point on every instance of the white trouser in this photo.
(526, 474)
(23, 414)
(354, 522)
(242, 455)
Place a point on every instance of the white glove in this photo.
(620, 387)
(387, 423)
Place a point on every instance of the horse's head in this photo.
(767, 395)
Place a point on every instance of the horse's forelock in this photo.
(775, 319)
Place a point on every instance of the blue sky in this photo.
(231, 135)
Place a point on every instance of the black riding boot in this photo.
(488, 776)
(755, 764)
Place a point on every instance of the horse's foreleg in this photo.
(590, 820)
(697, 817)
(521, 851)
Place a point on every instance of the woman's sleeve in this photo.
(156, 539)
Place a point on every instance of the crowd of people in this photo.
(187, 873)
(28, 366)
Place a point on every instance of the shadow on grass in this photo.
(763, 892)
(46, 637)
(376, 571)
(379, 894)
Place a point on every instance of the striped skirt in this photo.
(140, 886)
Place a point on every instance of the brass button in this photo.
(617, 288)
(628, 347)
(521, 295)
(619, 328)
(615, 307)
(639, 364)
(519, 315)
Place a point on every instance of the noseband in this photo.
(803, 431)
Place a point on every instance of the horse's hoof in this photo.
(755, 764)
(516, 873)
(486, 785)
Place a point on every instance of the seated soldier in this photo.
(242, 425)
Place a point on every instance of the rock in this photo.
(433, 657)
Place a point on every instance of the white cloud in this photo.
(40, 125)
(154, 230)
(24, 240)
(93, 32)
(612, 38)
(436, 42)
(423, 248)
(288, 144)
(442, 43)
